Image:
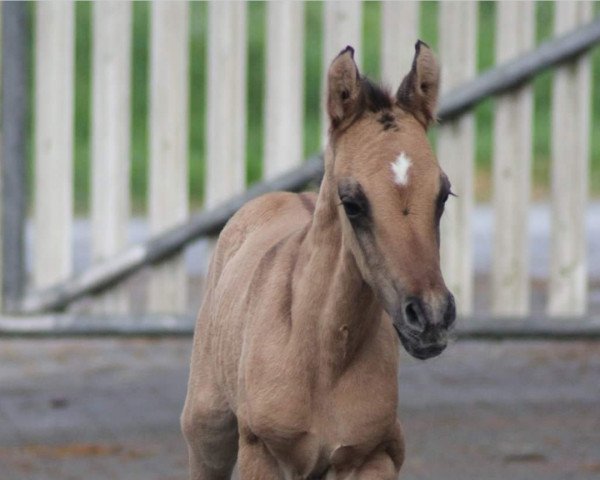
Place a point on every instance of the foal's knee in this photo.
(208, 426)
(201, 423)
(190, 420)
(188, 424)
(212, 439)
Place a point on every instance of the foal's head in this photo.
(392, 194)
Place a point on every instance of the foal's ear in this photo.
(418, 92)
(343, 87)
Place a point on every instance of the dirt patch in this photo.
(71, 450)
(592, 467)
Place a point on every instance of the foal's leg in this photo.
(379, 467)
(255, 462)
(208, 424)
(384, 464)
(212, 439)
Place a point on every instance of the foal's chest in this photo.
(310, 427)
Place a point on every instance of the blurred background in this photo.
(138, 80)
(312, 61)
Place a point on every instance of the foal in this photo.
(295, 357)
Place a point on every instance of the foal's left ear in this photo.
(418, 92)
(343, 88)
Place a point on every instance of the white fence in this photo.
(226, 134)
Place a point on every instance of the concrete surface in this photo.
(108, 409)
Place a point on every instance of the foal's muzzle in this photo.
(423, 327)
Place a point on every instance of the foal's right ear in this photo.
(343, 88)
(418, 92)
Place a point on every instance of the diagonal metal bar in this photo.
(493, 82)
(509, 75)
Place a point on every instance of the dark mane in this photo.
(375, 97)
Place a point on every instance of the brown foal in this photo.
(295, 357)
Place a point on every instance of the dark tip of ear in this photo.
(348, 49)
(418, 45)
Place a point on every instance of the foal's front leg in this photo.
(385, 463)
(382, 464)
(255, 462)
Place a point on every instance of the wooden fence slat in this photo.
(226, 101)
(284, 89)
(571, 102)
(168, 201)
(399, 33)
(512, 162)
(53, 185)
(342, 26)
(456, 149)
(110, 137)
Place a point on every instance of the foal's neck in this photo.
(345, 304)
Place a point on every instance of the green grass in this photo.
(312, 76)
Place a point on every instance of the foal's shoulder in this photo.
(282, 210)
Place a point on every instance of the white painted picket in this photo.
(512, 163)
(284, 87)
(456, 148)
(570, 166)
(226, 101)
(111, 137)
(399, 32)
(168, 200)
(53, 185)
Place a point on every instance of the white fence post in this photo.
(570, 160)
(226, 101)
(284, 90)
(342, 26)
(110, 137)
(53, 186)
(513, 129)
(399, 33)
(456, 149)
(168, 191)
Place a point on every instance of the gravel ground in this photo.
(108, 409)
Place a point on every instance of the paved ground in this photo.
(108, 409)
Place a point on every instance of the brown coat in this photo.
(295, 358)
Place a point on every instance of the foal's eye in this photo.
(352, 208)
(447, 194)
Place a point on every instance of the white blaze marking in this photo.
(400, 168)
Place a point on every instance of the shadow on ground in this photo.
(109, 409)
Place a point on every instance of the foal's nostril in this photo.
(450, 314)
(413, 316)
